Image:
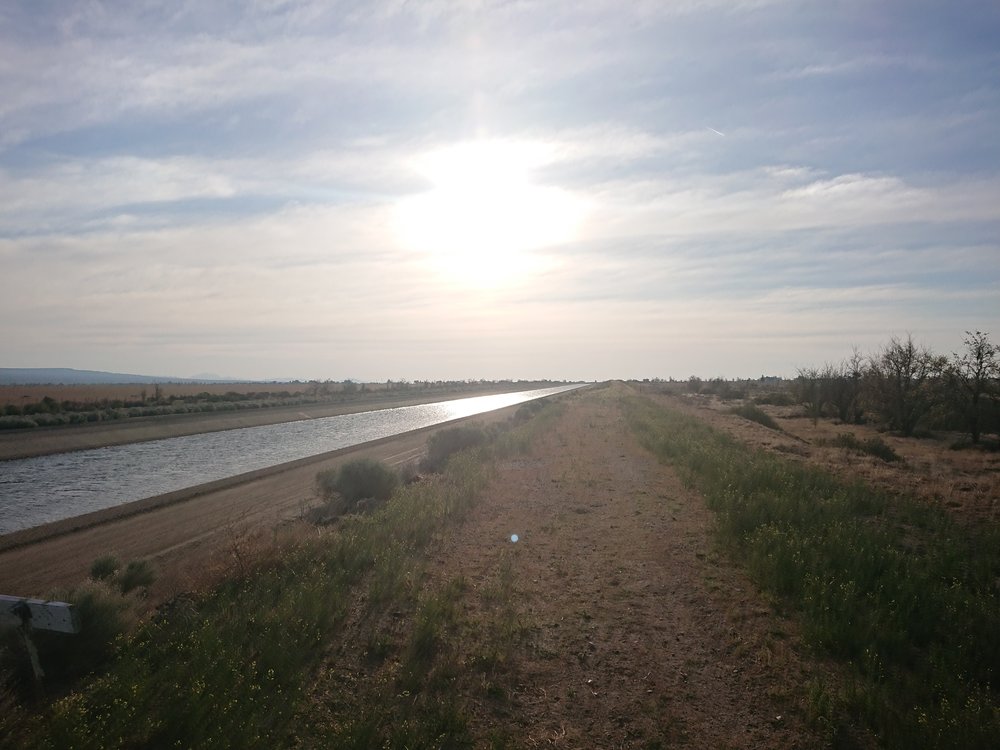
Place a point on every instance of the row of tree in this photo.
(909, 387)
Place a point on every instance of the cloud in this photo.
(862, 64)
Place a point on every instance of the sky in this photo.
(437, 190)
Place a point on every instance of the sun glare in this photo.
(483, 216)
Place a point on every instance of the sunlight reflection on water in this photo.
(37, 490)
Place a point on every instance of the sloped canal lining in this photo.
(38, 490)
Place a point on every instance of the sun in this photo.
(483, 216)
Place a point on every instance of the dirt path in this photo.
(636, 632)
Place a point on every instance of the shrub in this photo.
(137, 573)
(409, 472)
(527, 410)
(104, 567)
(446, 443)
(357, 480)
(875, 446)
(46, 419)
(755, 414)
(775, 398)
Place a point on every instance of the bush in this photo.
(775, 398)
(755, 414)
(724, 390)
(446, 443)
(137, 573)
(527, 410)
(875, 446)
(17, 423)
(409, 472)
(104, 567)
(356, 481)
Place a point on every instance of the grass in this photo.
(229, 669)
(892, 588)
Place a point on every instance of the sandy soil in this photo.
(48, 440)
(641, 633)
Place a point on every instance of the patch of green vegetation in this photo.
(755, 414)
(775, 398)
(104, 567)
(137, 573)
(343, 489)
(893, 588)
(445, 443)
(875, 446)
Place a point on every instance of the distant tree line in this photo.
(909, 388)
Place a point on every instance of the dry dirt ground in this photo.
(638, 632)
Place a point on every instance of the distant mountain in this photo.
(68, 376)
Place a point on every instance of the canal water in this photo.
(37, 490)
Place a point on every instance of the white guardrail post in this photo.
(37, 614)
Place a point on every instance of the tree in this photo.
(973, 376)
(808, 390)
(901, 376)
(841, 387)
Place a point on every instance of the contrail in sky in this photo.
(717, 132)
